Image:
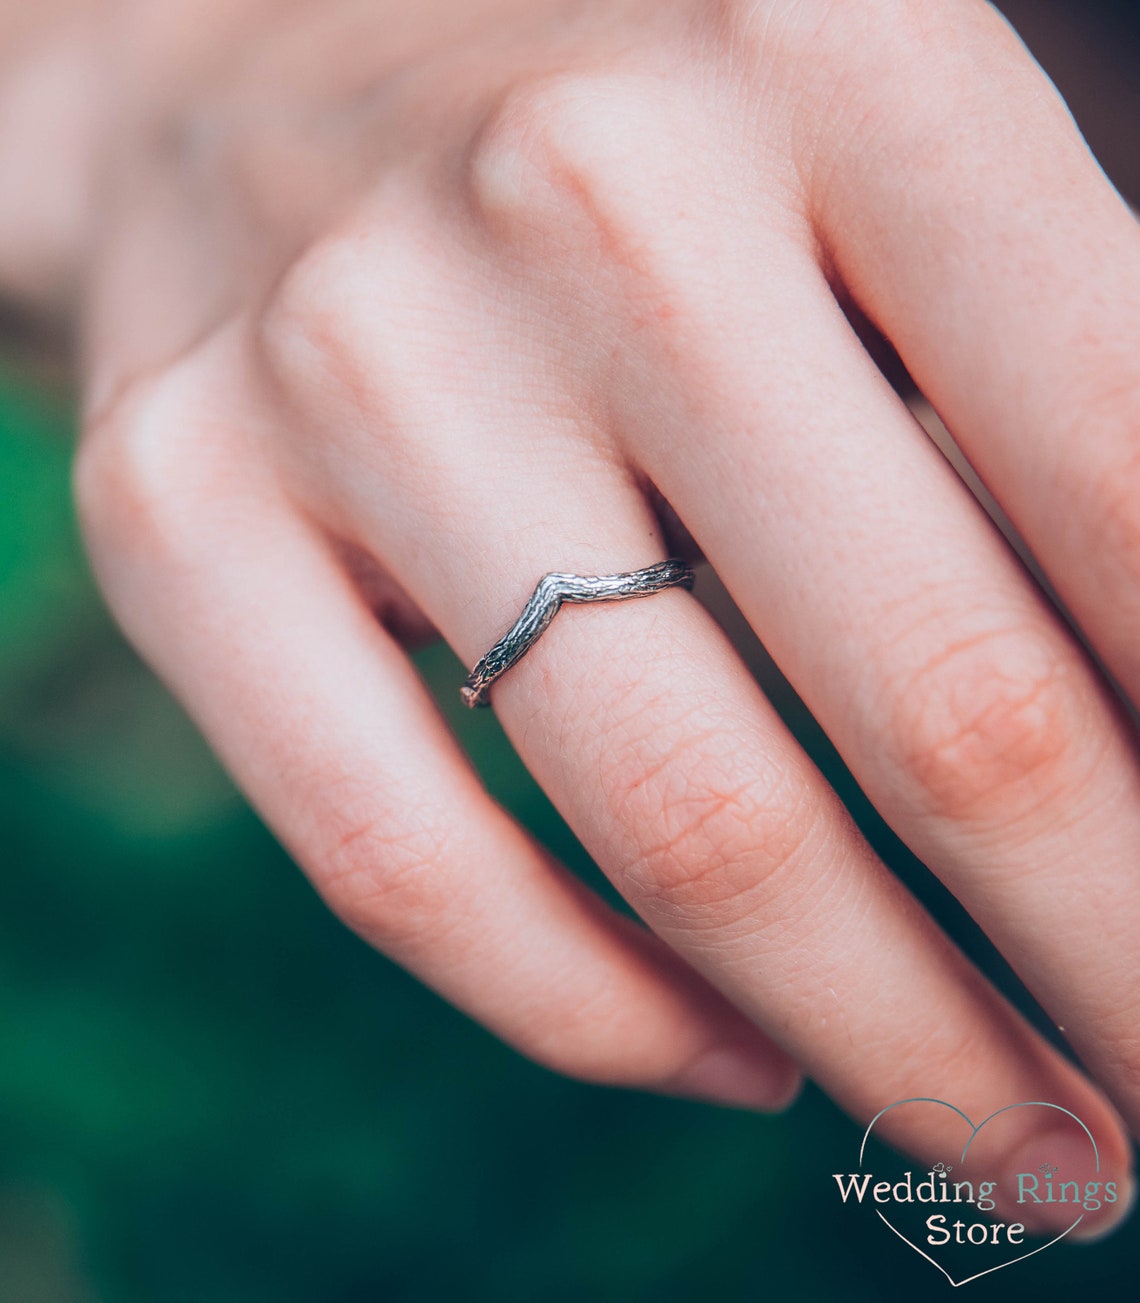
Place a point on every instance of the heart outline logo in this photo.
(922, 1099)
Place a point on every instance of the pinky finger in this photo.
(247, 613)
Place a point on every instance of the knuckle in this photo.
(719, 832)
(893, 80)
(600, 1036)
(990, 730)
(353, 324)
(385, 874)
(133, 475)
(303, 331)
(545, 163)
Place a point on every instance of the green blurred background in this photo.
(210, 1090)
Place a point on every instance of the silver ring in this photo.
(546, 600)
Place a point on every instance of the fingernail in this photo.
(740, 1077)
(1053, 1182)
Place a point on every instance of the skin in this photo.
(388, 310)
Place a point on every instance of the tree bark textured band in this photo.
(545, 602)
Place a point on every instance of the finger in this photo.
(328, 729)
(637, 717)
(962, 705)
(1018, 316)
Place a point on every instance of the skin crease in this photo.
(388, 309)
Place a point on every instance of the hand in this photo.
(393, 309)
